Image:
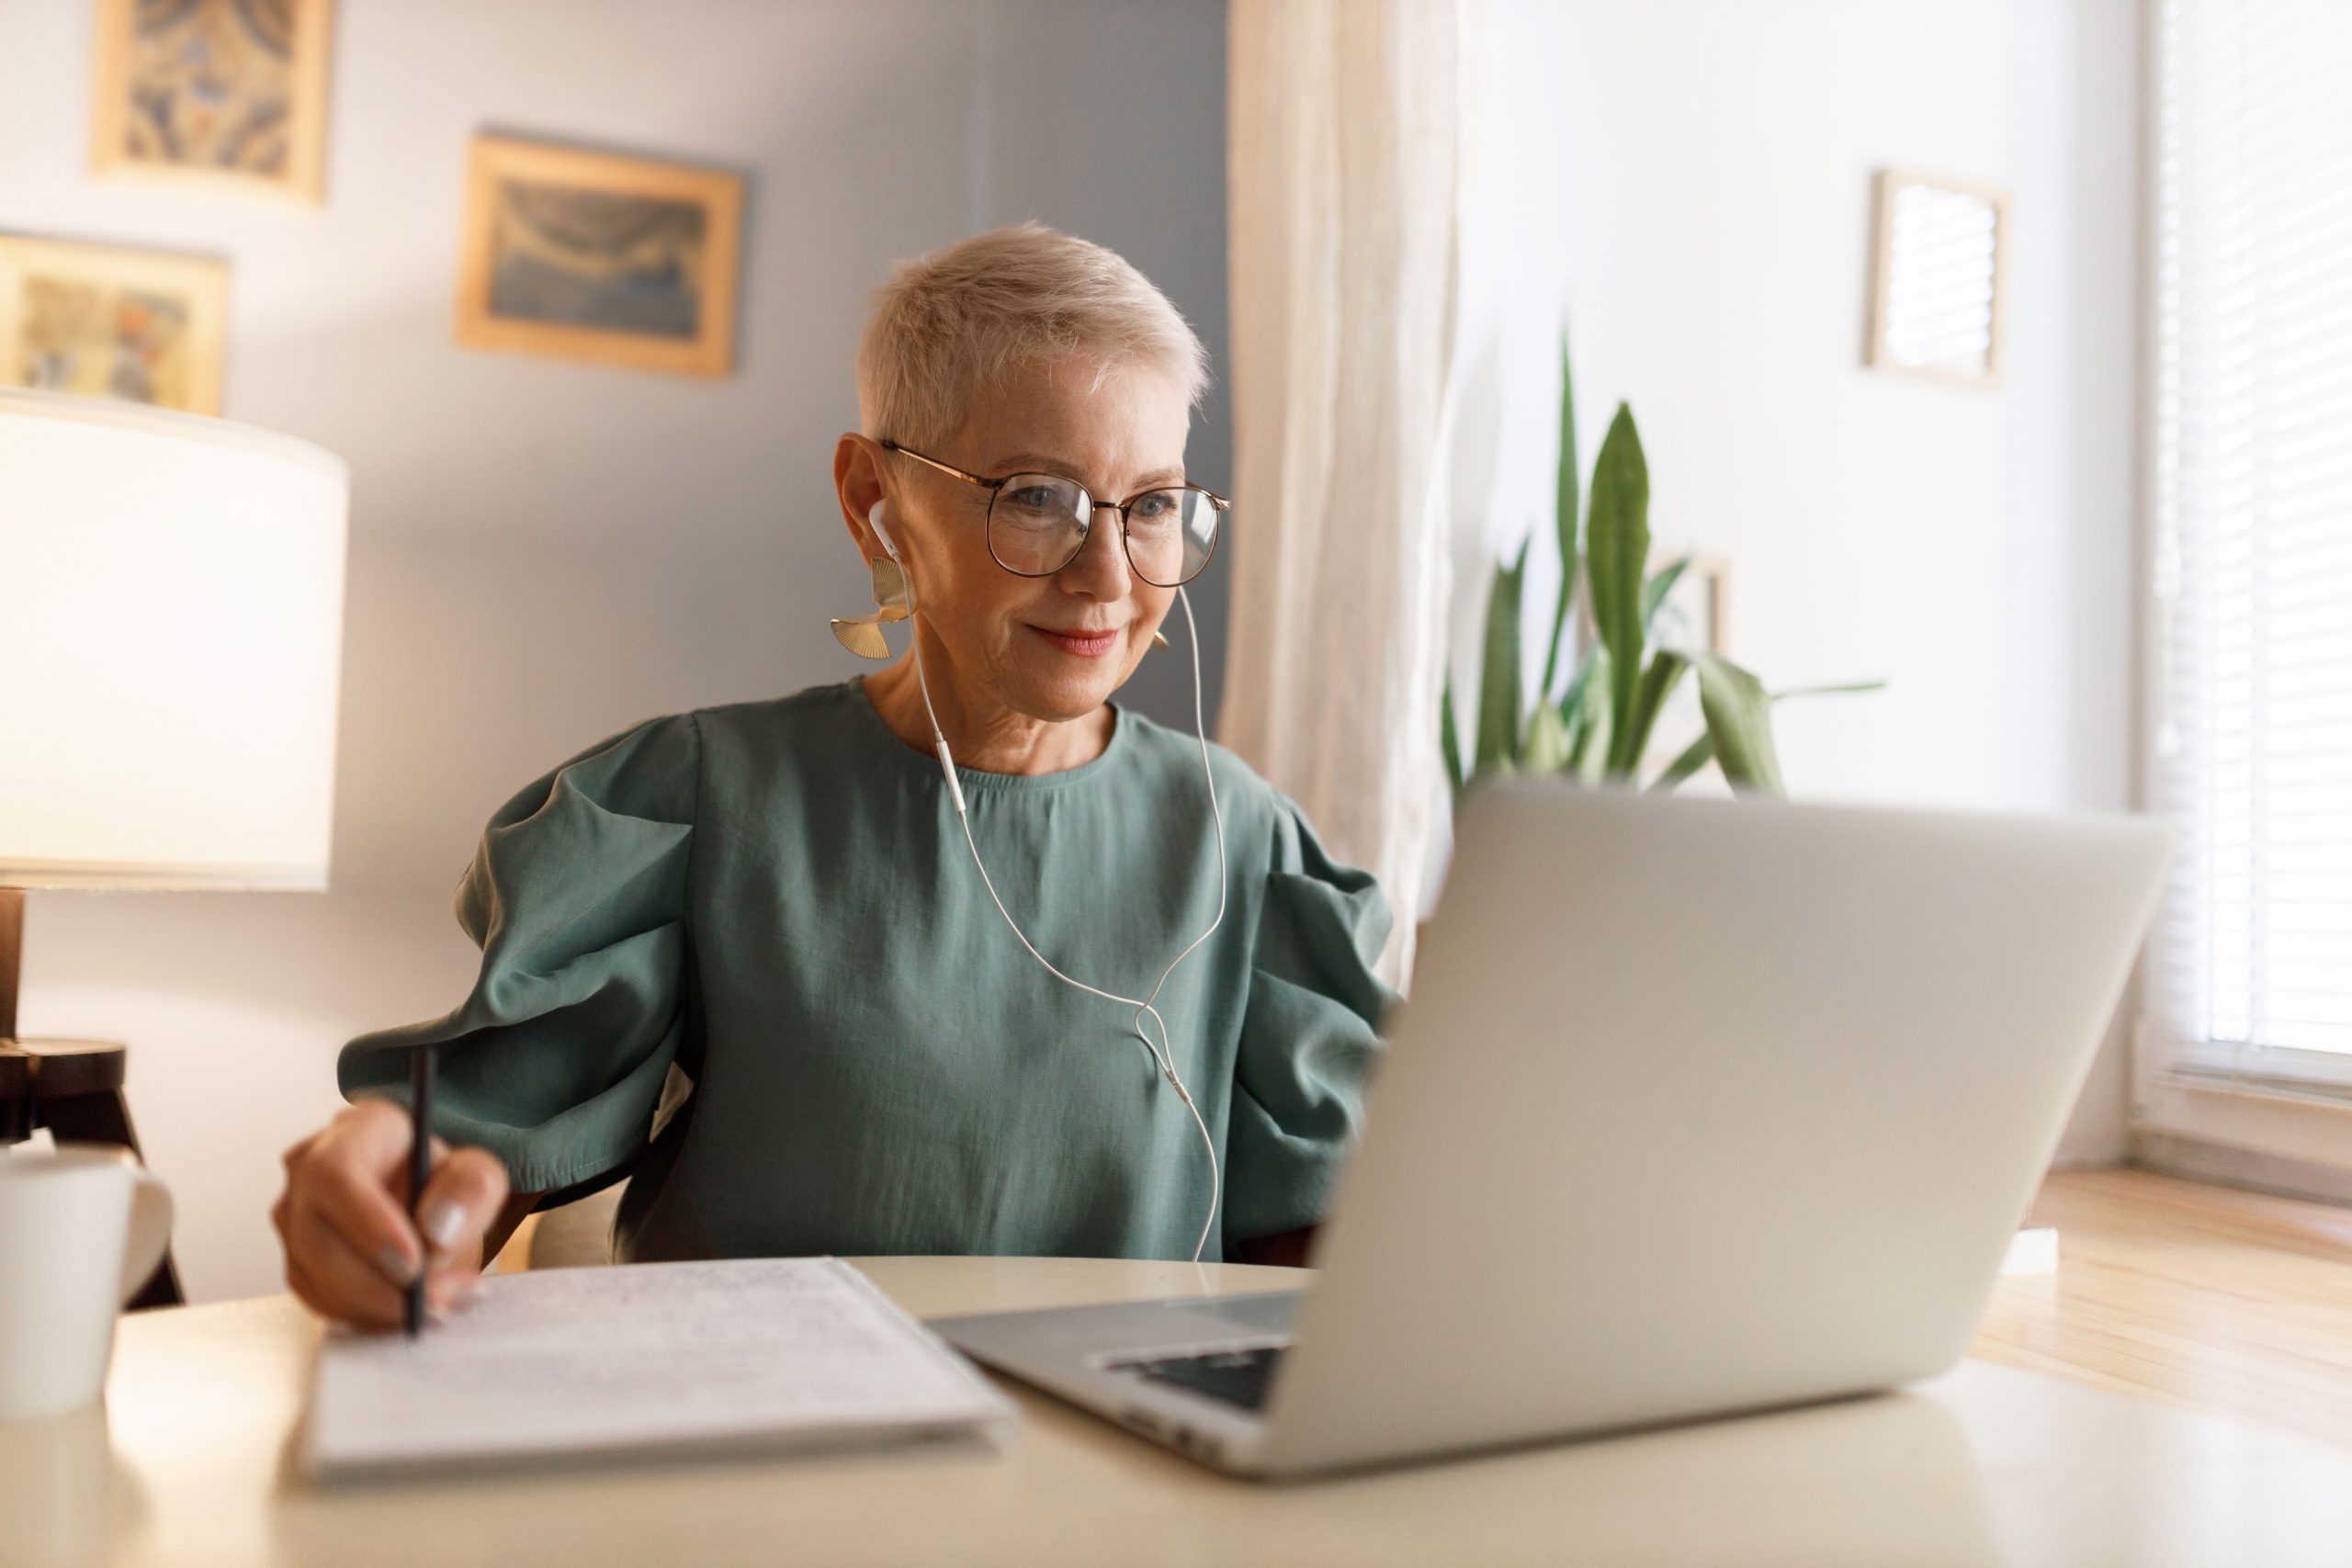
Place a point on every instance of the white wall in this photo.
(1692, 179)
(544, 552)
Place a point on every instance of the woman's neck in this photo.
(982, 733)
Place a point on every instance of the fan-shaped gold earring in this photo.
(862, 635)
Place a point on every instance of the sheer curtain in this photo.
(1345, 124)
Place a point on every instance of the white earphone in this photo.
(1160, 1052)
(874, 521)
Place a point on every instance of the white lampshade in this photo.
(171, 635)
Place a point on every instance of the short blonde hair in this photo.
(948, 324)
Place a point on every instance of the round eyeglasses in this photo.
(1038, 523)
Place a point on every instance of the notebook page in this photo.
(577, 1361)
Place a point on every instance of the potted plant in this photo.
(1621, 672)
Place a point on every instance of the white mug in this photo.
(80, 1229)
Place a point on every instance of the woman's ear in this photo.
(857, 482)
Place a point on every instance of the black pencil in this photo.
(419, 1171)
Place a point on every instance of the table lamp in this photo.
(171, 627)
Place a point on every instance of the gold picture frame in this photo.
(1696, 613)
(619, 261)
(216, 96)
(1939, 259)
(110, 321)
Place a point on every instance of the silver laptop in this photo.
(1698, 1107)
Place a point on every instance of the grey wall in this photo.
(543, 552)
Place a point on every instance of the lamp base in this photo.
(74, 1088)
(16, 1094)
(33, 1072)
(67, 1067)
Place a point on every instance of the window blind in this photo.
(2250, 674)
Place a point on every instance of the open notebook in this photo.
(747, 1355)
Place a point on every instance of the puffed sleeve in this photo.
(1309, 1035)
(577, 899)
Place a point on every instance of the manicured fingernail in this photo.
(450, 1292)
(441, 1225)
(395, 1265)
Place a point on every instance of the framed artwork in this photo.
(1938, 294)
(147, 326)
(1697, 611)
(225, 96)
(620, 261)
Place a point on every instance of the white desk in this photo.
(188, 1463)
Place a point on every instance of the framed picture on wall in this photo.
(619, 261)
(1696, 612)
(222, 96)
(1939, 259)
(106, 320)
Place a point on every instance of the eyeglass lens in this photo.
(1038, 523)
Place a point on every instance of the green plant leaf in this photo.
(1548, 741)
(1449, 744)
(1739, 721)
(1499, 679)
(1585, 708)
(1567, 513)
(1654, 590)
(1617, 547)
(1701, 751)
(1580, 694)
(1626, 748)
(1592, 759)
(1689, 761)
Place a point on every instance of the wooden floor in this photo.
(2226, 1301)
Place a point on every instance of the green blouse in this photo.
(774, 900)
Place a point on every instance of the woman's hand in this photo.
(350, 1249)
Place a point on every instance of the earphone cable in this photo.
(1160, 1052)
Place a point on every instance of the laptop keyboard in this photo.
(1235, 1377)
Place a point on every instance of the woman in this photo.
(744, 956)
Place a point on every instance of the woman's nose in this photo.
(1099, 569)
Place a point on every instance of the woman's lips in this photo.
(1086, 644)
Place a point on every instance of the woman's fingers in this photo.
(354, 1175)
(341, 1284)
(445, 1289)
(351, 1248)
(459, 1202)
(298, 1280)
(361, 1209)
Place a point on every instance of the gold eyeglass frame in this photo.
(1086, 524)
